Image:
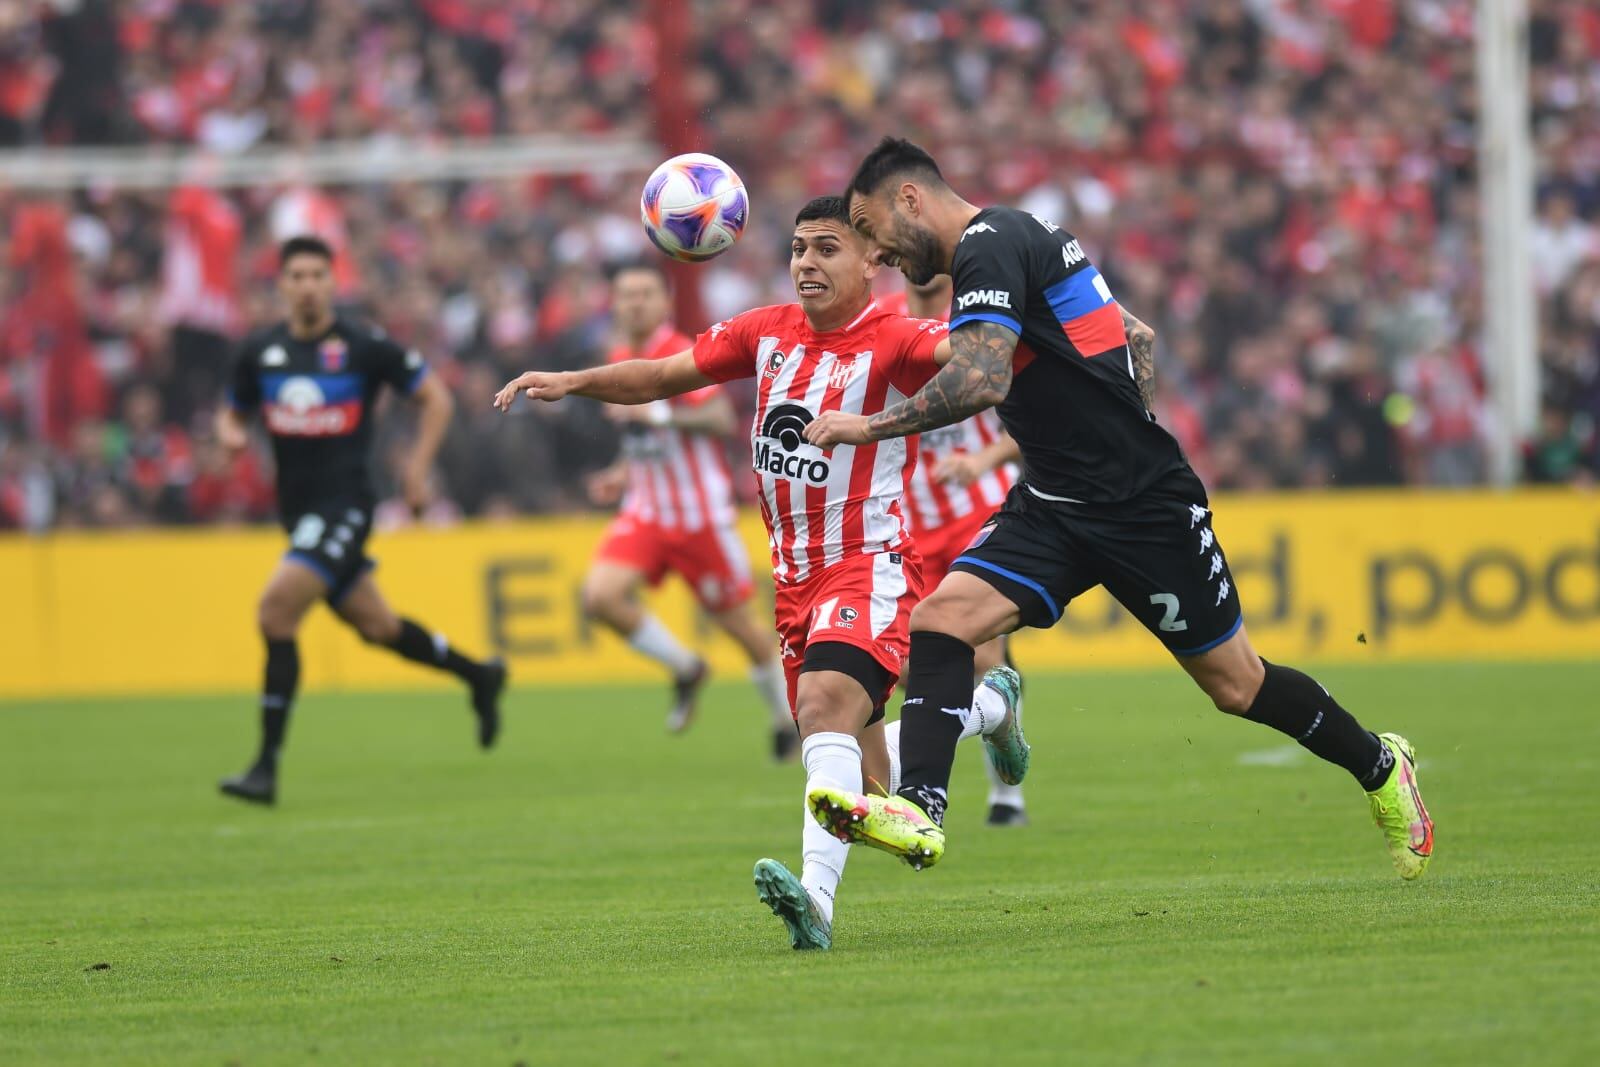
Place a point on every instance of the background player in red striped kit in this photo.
(847, 571)
(962, 476)
(677, 516)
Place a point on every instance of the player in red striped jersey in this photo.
(846, 569)
(962, 476)
(677, 516)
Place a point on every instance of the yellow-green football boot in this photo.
(893, 824)
(1397, 809)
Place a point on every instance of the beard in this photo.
(921, 259)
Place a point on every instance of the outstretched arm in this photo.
(634, 381)
(1142, 350)
(977, 376)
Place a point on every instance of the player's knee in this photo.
(600, 601)
(1233, 694)
(378, 630)
(276, 617)
(943, 615)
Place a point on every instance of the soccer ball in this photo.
(694, 207)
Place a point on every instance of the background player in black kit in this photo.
(1106, 498)
(315, 377)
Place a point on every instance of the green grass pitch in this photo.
(1193, 889)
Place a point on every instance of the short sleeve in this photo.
(244, 391)
(400, 368)
(727, 351)
(908, 346)
(990, 276)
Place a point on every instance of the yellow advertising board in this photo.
(1364, 576)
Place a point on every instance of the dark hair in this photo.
(645, 265)
(825, 209)
(303, 245)
(894, 157)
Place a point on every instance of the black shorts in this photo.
(331, 539)
(857, 663)
(1156, 553)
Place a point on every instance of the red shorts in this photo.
(941, 545)
(711, 560)
(864, 601)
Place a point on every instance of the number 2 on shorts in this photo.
(1170, 623)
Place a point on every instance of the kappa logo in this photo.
(1216, 565)
(1223, 589)
(976, 227)
(785, 427)
(1207, 538)
(275, 357)
(999, 298)
(1197, 515)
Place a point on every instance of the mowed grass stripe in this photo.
(583, 894)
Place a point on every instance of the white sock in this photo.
(987, 712)
(774, 688)
(656, 641)
(829, 759)
(999, 792)
(891, 737)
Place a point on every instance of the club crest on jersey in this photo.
(275, 356)
(845, 368)
(332, 353)
(781, 448)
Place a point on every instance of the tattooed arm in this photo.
(1141, 347)
(977, 376)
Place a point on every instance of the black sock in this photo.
(278, 684)
(940, 678)
(1295, 704)
(419, 646)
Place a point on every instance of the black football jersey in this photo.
(315, 398)
(1074, 408)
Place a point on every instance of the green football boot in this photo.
(782, 892)
(1008, 750)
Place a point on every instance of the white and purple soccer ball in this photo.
(694, 207)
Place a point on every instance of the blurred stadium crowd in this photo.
(1284, 188)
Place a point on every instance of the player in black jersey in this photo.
(315, 377)
(1106, 498)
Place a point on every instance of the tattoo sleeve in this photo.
(1141, 347)
(978, 376)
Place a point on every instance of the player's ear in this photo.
(910, 198)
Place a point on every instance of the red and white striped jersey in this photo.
(822, 506)
(676, 480)
(932, 504)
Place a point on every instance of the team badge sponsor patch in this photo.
(333, 354)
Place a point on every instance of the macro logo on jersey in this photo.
(781, 448)
(303, 405)
(1083, 305)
